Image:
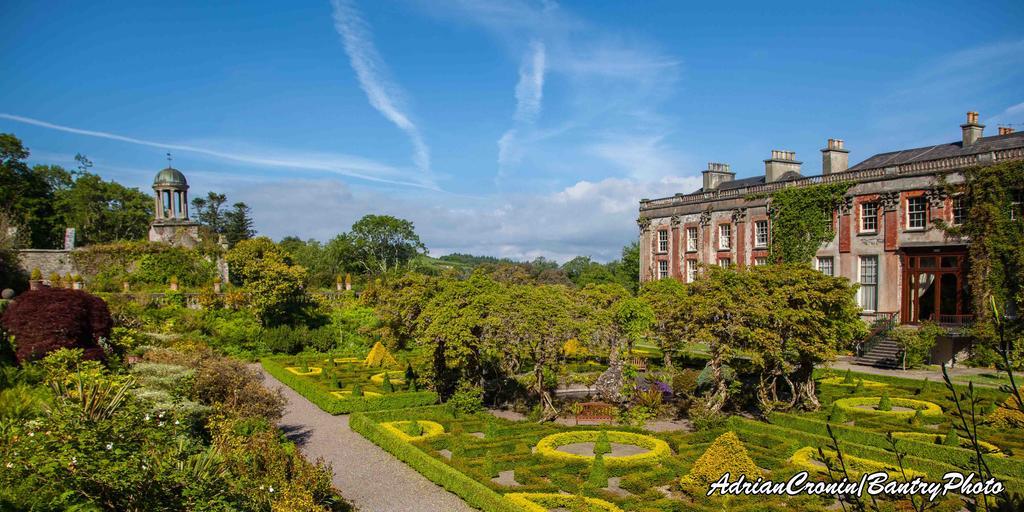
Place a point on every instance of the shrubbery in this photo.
(47, 319)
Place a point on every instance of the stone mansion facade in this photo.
(885, 236)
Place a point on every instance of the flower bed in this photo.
(853, 405)
(925, 437)
(430, 429)
(313, 370)
(548, 447)
(543, 501)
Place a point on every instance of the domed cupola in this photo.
(171, 190)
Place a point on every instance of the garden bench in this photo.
(640, 363)
(595, 411)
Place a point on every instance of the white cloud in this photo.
(383, 94)
(337, 163)
(530, 88)
(594, 218)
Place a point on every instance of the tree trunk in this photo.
(720, 391)
(549, 412)
(803, 392)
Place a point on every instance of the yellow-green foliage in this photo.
(573, 349)
(841, 381)
(379, 356)
(346, 394)
(542, 502)
(852, 405)
(725, 455)
(548, 447)
(430, 429)
(1007, 415)
(925, 437)
(809, 459)
(396, 376)
(313, 370)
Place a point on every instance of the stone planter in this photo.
(35, 284)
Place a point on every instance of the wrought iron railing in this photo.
(881, 323)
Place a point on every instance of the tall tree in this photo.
(275, 283)
(104, 211)
(383, 242)
(238, 224)
(209, 211)
(28, 194)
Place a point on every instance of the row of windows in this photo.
(761, 237)
(916, 214)
(868, 274)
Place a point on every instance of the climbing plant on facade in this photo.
(994, 224)
(802, 220)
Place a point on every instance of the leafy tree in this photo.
(275, 284)
(810, 317)
(27, 193)
(669, 301)
(399, 303)
(209, 211)
(529, 324)
(383, 242)
(451, 328)
(628, 268)
(104, 211)
(238, 224)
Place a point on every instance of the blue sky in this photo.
(509, 128)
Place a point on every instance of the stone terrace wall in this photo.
(47, 261)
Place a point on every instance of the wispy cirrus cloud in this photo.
(371, 71)
(593, 84)
(529, 95)
(345, 165)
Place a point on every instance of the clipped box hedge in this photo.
(919, 461)
(959, 457)
(548, 447)
(333, 405)
(852, 406)
(473, 492)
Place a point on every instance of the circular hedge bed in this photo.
(545, 501)
(808, 458)
(400, 429)
(548, 447)
(856, 405)
(925, 437)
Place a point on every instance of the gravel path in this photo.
(366, 475)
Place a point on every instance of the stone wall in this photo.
(47, 261)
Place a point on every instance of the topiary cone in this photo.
(725, 455)
(884, 403)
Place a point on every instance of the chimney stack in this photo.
(779, 164)
(834, 158)
(716, 174)
(972, 130)
(1005, 130)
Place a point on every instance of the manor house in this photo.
(885, 234)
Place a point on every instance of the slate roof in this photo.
(952, 149)
(751, 181)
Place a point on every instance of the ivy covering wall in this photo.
(996, 249)
(802, 220)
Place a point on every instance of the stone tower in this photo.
(171, 223)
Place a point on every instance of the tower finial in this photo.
(169, 158)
